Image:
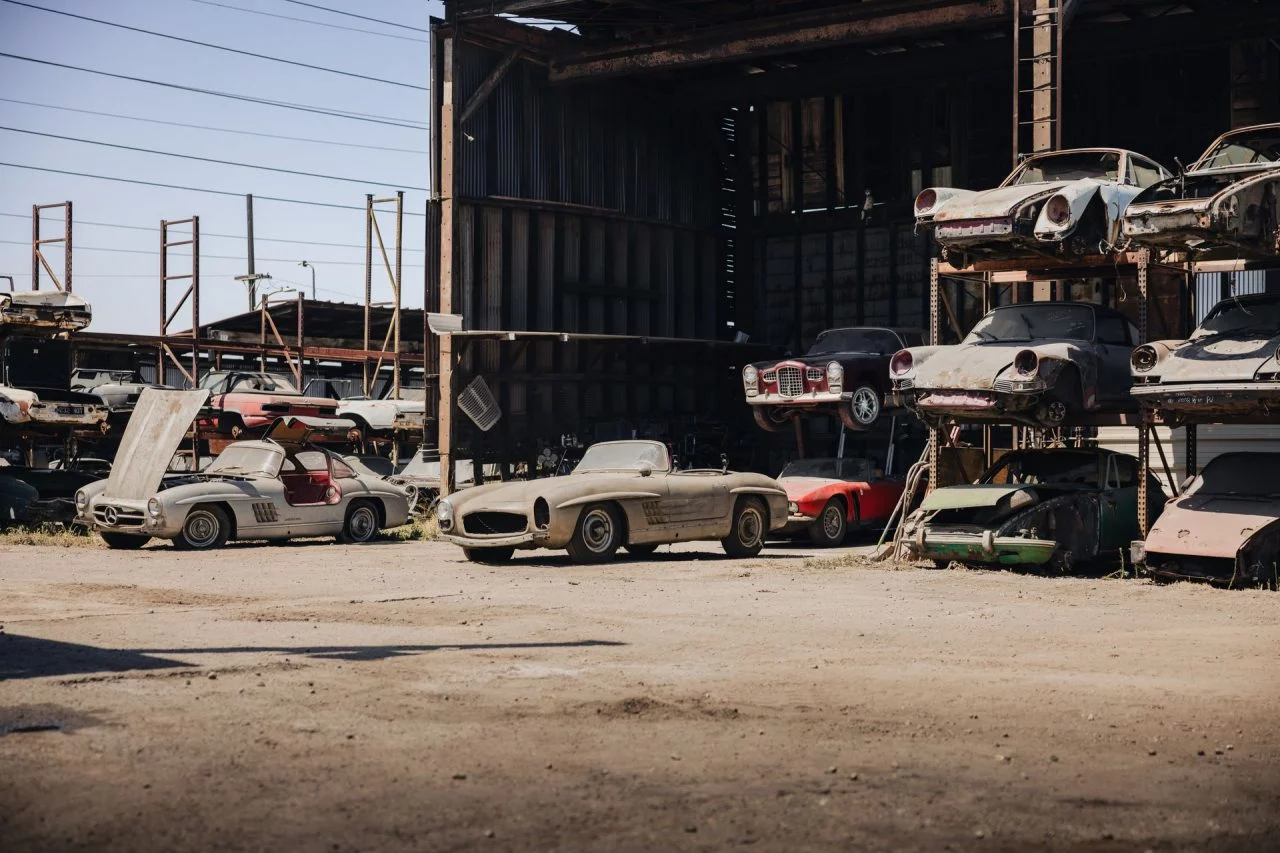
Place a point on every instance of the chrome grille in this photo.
(790, 381)
(117, 516)
(1003, 386)
(906, 384)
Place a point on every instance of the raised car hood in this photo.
(1209, 526)
(1001, 201)
(967, 497)
(158, 423)
(1220, 358)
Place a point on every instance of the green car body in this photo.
(1034, 508)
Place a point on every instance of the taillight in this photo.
(1026, 362)
(926, 200)
(901, 363)
(1058, 210)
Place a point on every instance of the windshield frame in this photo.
(1009, 458)
(1228, 140)
(863, 332)
(1236, 304)
(975, 338)
(613, 461)
(857, 467)
(1015, 179)
(223, 384)
(266, 452)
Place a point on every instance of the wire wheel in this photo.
(598, 535)
(361, 524)
(204, 527)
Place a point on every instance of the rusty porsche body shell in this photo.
(1039, 363)
(1230, 366)
(1058, 204)
(35, 387)
(826, 498)
(1227, 199)
(45, 310)
(1225, 526)
(1055, 507)
(622, 494)
(248, 400)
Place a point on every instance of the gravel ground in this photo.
(394, 697)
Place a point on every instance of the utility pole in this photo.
(252, 278)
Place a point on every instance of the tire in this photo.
(750, 526)
(863, 408)
(831, 526)
(489, 556)
(768, 421)
(645, 550)
(361, 524)
(124, 541)
(1066, 399)
(598, 535)
(205, 527)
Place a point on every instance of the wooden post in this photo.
(445, 187)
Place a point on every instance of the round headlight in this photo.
(835, 372)
(444, 511)
(1058, 210)
(750, 375)
(1026, 362)
(153, 508)
(902, 363)
(82, 500)
(1143, 359)
(926, 200)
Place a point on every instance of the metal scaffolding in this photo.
(38, 260)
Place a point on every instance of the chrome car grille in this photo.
(494, 523)
(790, 381)
(117, 516)
(905, 384)
(1003, 385)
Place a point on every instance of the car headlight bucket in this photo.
(750, 376)
(1058, 210)
(82, 500)
(153, 508)
(835, 372)
(926, 200)
(1026, 362)
(444, 514)
(901, 363)
(1144, 358)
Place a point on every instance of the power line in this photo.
(203, 256)
(354, 15)
(203, 159)
(216, 129)
(347, 114)
(309, 21)
(190, 189)
(221, 47)
(154, 229)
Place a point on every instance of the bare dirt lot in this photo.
(394, 697)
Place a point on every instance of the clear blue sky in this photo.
(123, 286)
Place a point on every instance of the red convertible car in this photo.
(828, 497)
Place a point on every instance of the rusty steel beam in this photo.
(486, 88)
(781, 34)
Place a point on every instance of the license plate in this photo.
(70, 410)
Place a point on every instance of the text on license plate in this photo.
(70, 410)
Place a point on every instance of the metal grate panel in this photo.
(790, 381)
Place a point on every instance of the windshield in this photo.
(849, 470)
(1236, 315)
(624, 456)
(414, 395)
(1033, 321)
(248, 460)
(1069, 166)
(874, 341)
(1244, 149)
(1017, 469)
(272, 382)
(1254, 475)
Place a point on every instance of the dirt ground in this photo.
(394, 697)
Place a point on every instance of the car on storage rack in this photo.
(1229, 367)
(280, 487)
(1044, 507)
(826, 498)
(250, 400)
(118, 389)
(50, 311)
(1037, 363)
(843, 373)
(405, 413)
(35, 387)
(1227, 199)
(622, 494)
(1224, 528)
(1061, 204)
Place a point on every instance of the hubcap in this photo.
(865, 405)
(201, 529)
(1055, 412)
(362, 523)
(597, 531)
(831, 522)
(749, 527)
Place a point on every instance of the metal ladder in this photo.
(1037, 51)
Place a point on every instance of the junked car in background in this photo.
(118, 389)
(1227, 199)
(843, 373)
(35, 387)
(250, 400)
(622, 494)
(406, 412)
(1048, 507)
(1038, 363)
(280, 487)
(48, 310)
(1224, 528)
(1063, 204)
(826, 498)
(1230, 366)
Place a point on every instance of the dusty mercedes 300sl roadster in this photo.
(1229, 366)
(1039, 363)
(1064, 203)
(1033, 508)
(622, 494)
(1226, 199)
(281, 487)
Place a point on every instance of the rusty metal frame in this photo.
(38, 260)
(192, 293)
(292, 354)
(395, 276)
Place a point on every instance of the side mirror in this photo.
(646, 469)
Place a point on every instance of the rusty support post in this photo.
(395, 347)
(66, 248)
(446, 190)
(935, 335)
(1145, 424)
(368, 284)
(35, 247)
(1191, 464)
(164, 301)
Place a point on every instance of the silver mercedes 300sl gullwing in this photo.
(622, 494)
(280, 487)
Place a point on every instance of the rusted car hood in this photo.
(1001, 201)
(1209, 525)
(967, 497)
(159, 421)
(975, 367)
(1220, 358)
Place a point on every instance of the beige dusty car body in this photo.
(622, 494)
